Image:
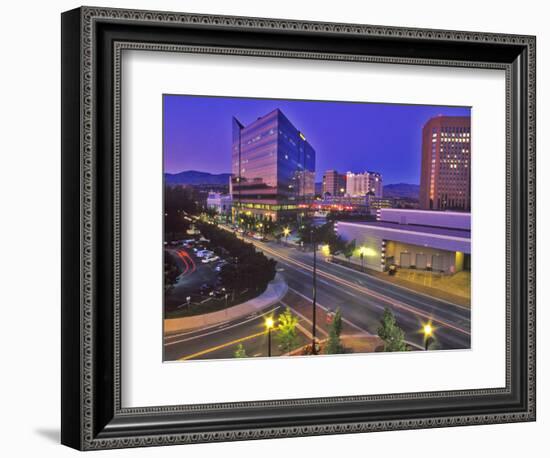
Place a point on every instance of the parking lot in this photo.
(198, 288)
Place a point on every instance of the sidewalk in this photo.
(403, 279)
(274, 292)
(353, 344)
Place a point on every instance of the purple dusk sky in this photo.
(346, 136)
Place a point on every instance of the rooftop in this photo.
(412, 228)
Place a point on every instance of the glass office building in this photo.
(273, 168)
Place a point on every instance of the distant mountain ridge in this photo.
(194, 177)
(401, 190)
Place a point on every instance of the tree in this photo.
(251, 269)
(287, 336)
(248, 221)
(349, 249)
(210, 212)
(305, 233)
(240, 352)
(324, 234)
(180, 198)
(336, 244)
(269, 227)
(231, 278)
(170, 273)
(334, 345)
(390, 332)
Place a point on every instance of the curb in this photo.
(275, 291)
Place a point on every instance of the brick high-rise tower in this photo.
(446, 164)
(334, 183)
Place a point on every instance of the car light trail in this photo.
(361, 289)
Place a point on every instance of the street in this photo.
(361, 298)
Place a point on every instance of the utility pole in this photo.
(314, 314)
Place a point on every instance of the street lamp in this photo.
(314, 313)
(428, 331)
(269, 323)
(362, 252)
(286, 233)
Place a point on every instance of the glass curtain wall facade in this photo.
(273, 168)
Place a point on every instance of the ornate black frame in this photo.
(92, 42)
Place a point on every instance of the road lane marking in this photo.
(219, 347)
(239, 323)
(388, 283)
(368, 292)
(308, 334)
(326, 309)
(193, 331)
(322, 331)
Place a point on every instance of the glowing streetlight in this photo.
(286, 233)
(428, 331)
(269, 324)
(365, 251)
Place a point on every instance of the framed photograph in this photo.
(276, 228)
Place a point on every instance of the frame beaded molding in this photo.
(140, 46)
(89, 16)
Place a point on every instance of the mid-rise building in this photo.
(446, 164)
(334, 183)
(363, 184)
(411, 239)
(273, 168)
(221, 203)
(319, 188)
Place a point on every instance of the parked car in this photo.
(220, 292)
(207, 259)
(204, 253)
(219, 265)
(205, 289)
